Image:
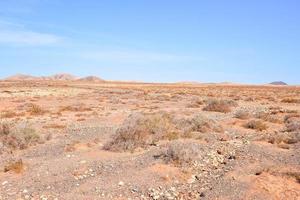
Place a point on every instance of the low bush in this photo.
(283, 138)
(292, 122)
(76, 108)
(35, 109)
(223, 106)
(290, 100)
(4, 129)
(256, 125)
(195, 103)
(141, 130)
(182, 153)
(15, 166)
(17, 137)
(241, 114)
(198, 123)
(9, 114)
(144, 130)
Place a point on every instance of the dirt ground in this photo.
(254, 153)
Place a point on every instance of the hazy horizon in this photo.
(153, 41)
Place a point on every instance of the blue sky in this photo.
(153, 40)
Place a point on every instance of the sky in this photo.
(255, 41)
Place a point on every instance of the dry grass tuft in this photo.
(292, 123)
(290, 100)
(198, 123)
(54, 126)
(35, 109)
(182, 153)
(283, 138)
(195, 103)
(4, 129)
(223, 106)
(14, 166)
(9, 114)
(241, 114)
(79, 108)
(256, 125)
(141, 130)
(17, 138)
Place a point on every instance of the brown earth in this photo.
(53, 134)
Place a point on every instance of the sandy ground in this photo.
(69, 161)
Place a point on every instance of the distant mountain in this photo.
(62, 77)
(188, 82)
(278, 83)
(91, 79)
(56, 77)
(20, 77)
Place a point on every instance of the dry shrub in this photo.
(17, 137)
(290, 100)
(223, 106)
(54, 126)
(15, 166)
(249, 99)
(274, 119)
(291, 117)
(292, 122)
(198, 123)
(143, 130)
(283, 138)
(35, 109)
(4, 129)
(266, 116)
(241, 114)
(140, 130)
(80, 108)
(172, 135)
(71, 147)
(263, 115)
(9, 114)
(195, 103)
(256, 125)
(182, 153)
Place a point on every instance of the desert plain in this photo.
(120, 140)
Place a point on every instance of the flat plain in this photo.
(114, 140)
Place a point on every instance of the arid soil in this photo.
(82, 140)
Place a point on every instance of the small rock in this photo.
(4, 182)
(121, 183)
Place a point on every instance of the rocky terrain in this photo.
(109, 140)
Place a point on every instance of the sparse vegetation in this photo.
(282, 138)
(14, 166)
(182, 153)
(256, 125)
(54, 126)
(16, 137)
(4, 129)
(198, 123)
(79, 108)
(141, 130)
(195, 103)
(241, 114)
(292, 122)
(290, 100)
(9, 114)
(35, 109)
(163, 133)
(223, 106)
